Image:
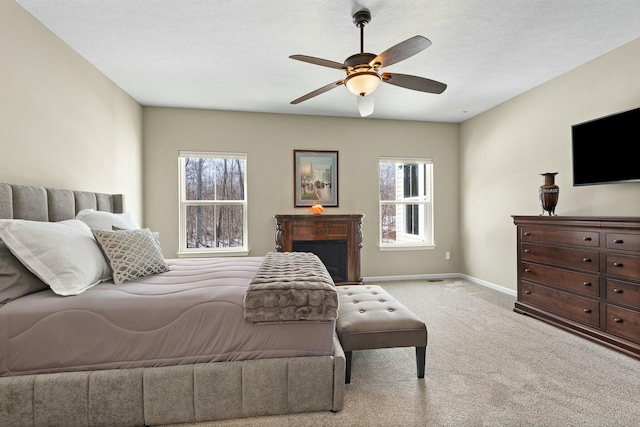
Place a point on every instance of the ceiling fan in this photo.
(363, 69)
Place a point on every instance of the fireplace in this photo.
(335, 239)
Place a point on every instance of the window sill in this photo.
(212, 254)
(384, 248)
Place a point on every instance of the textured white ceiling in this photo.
(233, 54)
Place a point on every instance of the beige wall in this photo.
(269, 141)
(504, 151)
(63, 123)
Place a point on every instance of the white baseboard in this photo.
(481, 282)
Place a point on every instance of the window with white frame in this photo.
(213, 204)
(406, 204)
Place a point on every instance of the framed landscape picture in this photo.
(315, 175)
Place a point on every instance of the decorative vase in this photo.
(549, 193)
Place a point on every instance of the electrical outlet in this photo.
(447, 255)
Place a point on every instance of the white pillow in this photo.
(63, 254)
(100, 220)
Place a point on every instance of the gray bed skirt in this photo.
(175, 394)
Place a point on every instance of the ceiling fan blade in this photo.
(317, 92)
(401, 51)
(319, 61)
(413, 82)
(365, 105)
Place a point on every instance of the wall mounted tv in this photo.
(603, 150)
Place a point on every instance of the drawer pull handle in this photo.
(586, 283)
(586, 310)
(527, 270)
(586, 259)
(617, 320)
(526, 251)
(617, 264)
(526, 233)
(617, 291)
(586, 239)
(527, 292)
(618, 241)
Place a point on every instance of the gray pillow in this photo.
(131, 253)
(15, 279)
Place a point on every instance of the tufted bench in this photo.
(370, 318)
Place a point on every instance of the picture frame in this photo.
(315, 178)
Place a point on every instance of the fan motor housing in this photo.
(359, 59)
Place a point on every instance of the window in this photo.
(406, 208)
(213, 204)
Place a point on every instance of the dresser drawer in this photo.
(623, 293)
(579, 259)
(562, 237)
(570, 306)
(623, 241)
(583, 283)
(620, 265)
(623, 322)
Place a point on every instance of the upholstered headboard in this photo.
(52, 204)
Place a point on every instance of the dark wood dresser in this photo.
(582, 274)
(336, 239)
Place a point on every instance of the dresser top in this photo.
(625, 222)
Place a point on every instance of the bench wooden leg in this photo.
(347, 373)
(421, 354)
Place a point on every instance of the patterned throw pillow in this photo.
(155, 234)
(131, 253)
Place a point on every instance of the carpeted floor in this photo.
(486, 366)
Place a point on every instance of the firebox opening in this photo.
(332, 253)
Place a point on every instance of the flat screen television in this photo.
(603, 150)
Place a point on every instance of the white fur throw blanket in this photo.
(291, 287)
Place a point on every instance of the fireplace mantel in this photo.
(329, 228)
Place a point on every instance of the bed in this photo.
(171, 347)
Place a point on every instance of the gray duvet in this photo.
(191, 314)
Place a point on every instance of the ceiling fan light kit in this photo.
(362, 83)
(363, 69)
